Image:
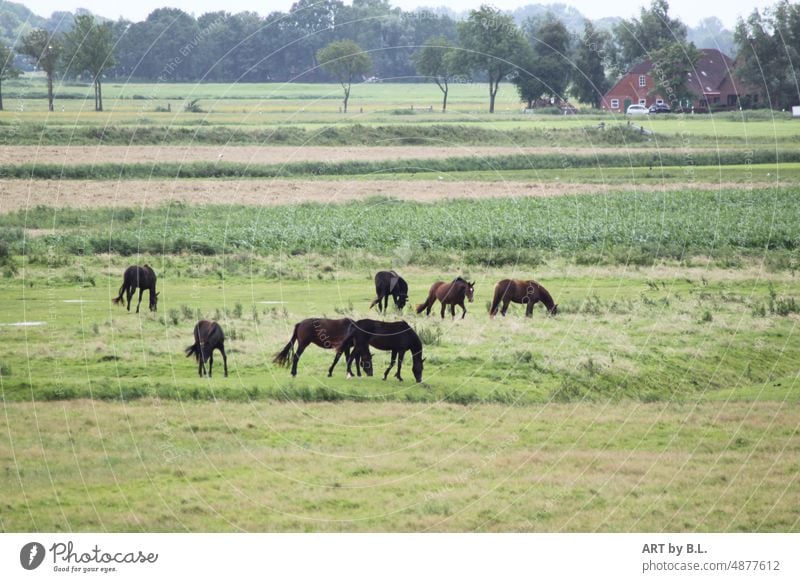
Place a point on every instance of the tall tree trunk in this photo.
(99, 89)
(49, 92)
(444, 100)
(1, 94)
(346, 96)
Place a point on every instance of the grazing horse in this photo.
(518, 291)
(208, 337)
(143, 278)
(451, 294)
(390, 283)
(325, 333)
(394, 336)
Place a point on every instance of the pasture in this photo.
(662, 397)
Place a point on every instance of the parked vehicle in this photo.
(660, 108)
(637, 110)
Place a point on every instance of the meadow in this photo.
(663, 397)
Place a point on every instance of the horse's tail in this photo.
(193, 350)
(282, 357)
(428, 302)
(498, 297)
(121, 291)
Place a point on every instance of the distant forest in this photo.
(171, 45)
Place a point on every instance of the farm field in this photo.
(662, 397)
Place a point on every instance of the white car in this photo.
(637, 110)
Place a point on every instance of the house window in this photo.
(642, 81)
(615, 104)
(642, 101)
(659, 101)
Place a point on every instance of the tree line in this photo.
(324, 40)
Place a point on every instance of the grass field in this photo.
(663, 397)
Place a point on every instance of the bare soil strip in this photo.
(70, 155)
(21, 194)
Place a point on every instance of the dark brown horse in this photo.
(394, 336)
(519, 291)
(390, 283)
(143, 278)
(325, 333)
(208, 337)
(451, 294)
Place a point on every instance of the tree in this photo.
(589, 82)
(769, 50)
(345, 61)
(7, 69)
(551, 46)
(491, 44)
(671, 65)
(436, 60)
(45, 50)
(637, 38)
(88, 48)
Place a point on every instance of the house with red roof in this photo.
(711, 82)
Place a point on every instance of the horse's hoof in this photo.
(349, 375)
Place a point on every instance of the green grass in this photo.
(205, 467)
(664, 163)
(617, 227)
(305, 114)
(622, 334)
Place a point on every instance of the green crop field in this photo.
(662, 397)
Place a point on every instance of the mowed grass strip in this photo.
(182, 466)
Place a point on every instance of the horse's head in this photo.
(553, 310)
(154, 301)
(470, 291)
(400, 301)
(366, 363)
(416, 366)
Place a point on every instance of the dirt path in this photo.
(20, 194)
(69, 155)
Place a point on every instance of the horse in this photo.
(325, 333)
(395, 336)
(451, 294)
(390, 283)
(143, 278)
(208, 337)
(519, 291)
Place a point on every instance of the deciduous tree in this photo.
(346, 62)
(44, 48)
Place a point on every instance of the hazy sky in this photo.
(689, 11)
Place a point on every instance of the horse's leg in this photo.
(391, 365)
(463, 315)
(386, 304)
(210, 361)
(400, 365)
(141, 292)
(506, 303)
(224, 359)
(452, 311)
(529, 308)
(130, 291)
(444, 309)
(336, 360)
(300, 348)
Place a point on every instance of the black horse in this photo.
(208, 337)
(395, 336)
(143, 278)
(390, 283)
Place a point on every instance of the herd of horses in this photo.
(346, 336)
